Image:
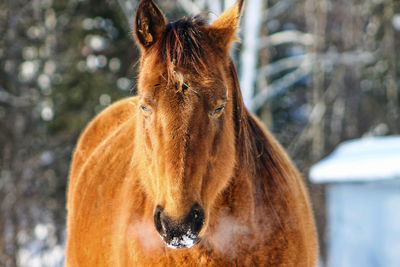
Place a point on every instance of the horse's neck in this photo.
(260, 158)
(260, 181)
(239, 195)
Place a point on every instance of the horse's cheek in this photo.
(221, 165)
(227, 152)
(142, 160)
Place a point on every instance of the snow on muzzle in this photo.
(183, 234)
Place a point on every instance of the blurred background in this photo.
(317, 72)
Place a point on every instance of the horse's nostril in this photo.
(195, 218)
(157, 220)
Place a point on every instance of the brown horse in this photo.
(185, 161)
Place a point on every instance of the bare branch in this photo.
(12, 100)
(284, 37)
(282, 84)
(348, 58)
(278, 9)
(332, 58)
(281, 65)
(304, 64)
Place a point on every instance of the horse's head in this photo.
(185, 149)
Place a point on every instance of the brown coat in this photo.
(186, 138)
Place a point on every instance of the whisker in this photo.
(191, 89)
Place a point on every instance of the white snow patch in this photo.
(41, 231)
(368, 159)
(186, 241)
(396, 22)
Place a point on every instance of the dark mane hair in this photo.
(181, 45)
(255, 150)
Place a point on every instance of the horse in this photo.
(182, 174)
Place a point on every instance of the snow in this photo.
(34, 255)
(363, 226)
(360, 160)
(396, 21)
(188, 240)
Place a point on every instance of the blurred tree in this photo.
(352, 82)
(61, 63)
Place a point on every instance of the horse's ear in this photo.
(149, 23)
(225, 26)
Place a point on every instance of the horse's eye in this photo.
(217, 110)
(145, 108)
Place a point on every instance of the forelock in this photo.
(182, 45)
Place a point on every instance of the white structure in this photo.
(363, 202)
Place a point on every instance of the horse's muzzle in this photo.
(183, 234)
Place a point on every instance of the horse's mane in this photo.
(256, 151)
(181, 45)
